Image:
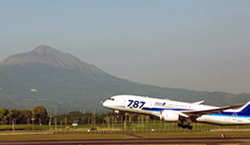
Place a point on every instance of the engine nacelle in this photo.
(169, 115)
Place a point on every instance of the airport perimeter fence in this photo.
(150, 128)
(116, 127)
(122, 132)
(110, 131)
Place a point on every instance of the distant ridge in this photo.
(51, 78)
(51, 56)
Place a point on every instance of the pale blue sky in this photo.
(192, 44)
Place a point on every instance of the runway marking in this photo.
(133, 135)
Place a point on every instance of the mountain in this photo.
(59, 81)
(50, 56)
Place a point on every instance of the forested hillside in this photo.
(57, 80)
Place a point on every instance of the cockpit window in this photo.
(112, 99)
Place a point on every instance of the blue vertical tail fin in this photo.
(245, 110)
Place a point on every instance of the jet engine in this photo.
(169, 115)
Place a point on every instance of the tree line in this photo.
(37, 115)
(40, 116)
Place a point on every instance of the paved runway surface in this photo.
(208, 141)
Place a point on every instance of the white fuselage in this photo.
(154, 106)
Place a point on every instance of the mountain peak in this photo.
(46, 51)
(43, 49)
(47, 55)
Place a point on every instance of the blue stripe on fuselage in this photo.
(225, 114)
(160, 109)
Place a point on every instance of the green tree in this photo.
(40, 114)
(26, 116)
(17, 115)
(5, 114)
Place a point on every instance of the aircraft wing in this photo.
(198, 103)
(198, 113)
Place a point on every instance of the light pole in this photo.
(33, 119)
(55, 123)
(112, 123)
(50, 122)
(13, 124)
(108, 123)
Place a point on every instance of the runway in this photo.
(208, 141)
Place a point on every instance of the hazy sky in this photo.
(193, 44)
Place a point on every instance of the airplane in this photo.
(182, 112)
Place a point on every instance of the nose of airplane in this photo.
(105, 103)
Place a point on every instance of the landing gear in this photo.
(184, 124)
(117, 113)
(190, 127)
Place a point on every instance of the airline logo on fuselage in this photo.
(159, 104)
